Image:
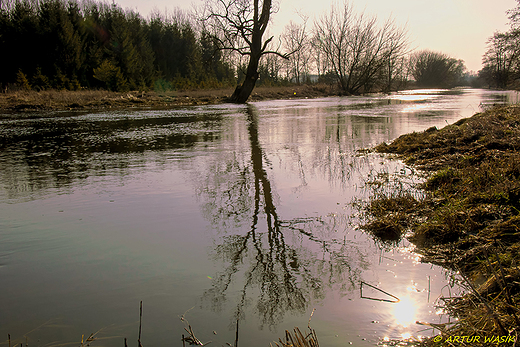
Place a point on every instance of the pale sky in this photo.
(459, 28)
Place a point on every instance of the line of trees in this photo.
(502, 58)
(343, 48)
(69, 45)
(360, 55)
(73, 44)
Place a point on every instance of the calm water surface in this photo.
(213, 214)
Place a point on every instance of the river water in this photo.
(209, 215)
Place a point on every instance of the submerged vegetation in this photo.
(468, 217)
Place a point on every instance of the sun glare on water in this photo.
(406, 336)
(404, 312)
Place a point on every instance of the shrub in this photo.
(41, 81)
(22, 81)
(112, 76)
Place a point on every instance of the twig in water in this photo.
(429, 291)
(439, 326)
(192, 339)
(140, 321)
(92, 337)
(382, 291)
(236, 336)
(89, 339)
(310, 317)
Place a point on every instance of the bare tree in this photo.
(514, 16)
(502, 58)
(239, 26)
(270, 68)
(357, 50)
(395, 67)
(331, 35)
(296, 39)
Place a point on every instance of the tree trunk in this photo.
(243, 91)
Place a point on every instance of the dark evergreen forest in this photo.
(72, 45)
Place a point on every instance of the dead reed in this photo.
(297, 339)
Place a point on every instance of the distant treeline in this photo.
(75, 44)
(502, 58)
(72, 45)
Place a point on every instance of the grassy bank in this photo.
(100, 99)
(468, 219)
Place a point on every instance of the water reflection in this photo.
(41, 153)
(98, 212)
(280, 273)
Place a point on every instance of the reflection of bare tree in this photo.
(279, 260)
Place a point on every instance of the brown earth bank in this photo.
(99, 99)
(467, 219)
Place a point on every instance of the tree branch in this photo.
(285, 56)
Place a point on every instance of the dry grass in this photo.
(98, 99)
(389, 216)
(89, 99)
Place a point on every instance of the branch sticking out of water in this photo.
(192, 339)
(140, 321)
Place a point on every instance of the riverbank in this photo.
(100, 99)
(467, 220)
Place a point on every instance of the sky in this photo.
(458, 28)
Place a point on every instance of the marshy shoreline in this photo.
(468, 219)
